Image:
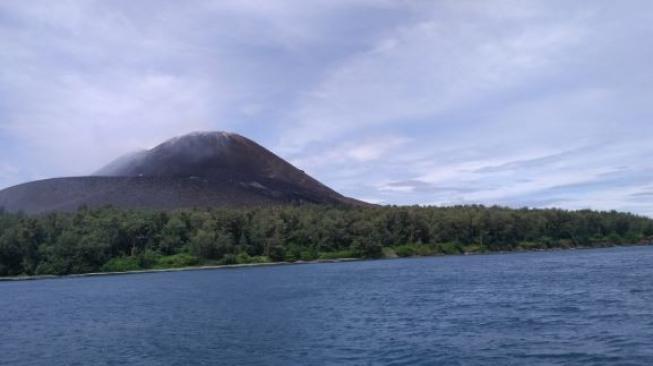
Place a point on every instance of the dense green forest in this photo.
(109, 239)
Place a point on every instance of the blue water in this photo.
(568, 307)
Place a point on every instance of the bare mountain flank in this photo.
(205, 169)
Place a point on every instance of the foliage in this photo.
(410, 250)
(178, 260)
(108, 239)
(122, 264)
(337, 255)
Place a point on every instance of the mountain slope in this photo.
(208, 169)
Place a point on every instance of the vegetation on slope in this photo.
(120, 240)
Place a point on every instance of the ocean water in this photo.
(549, 308)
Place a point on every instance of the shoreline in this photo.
(318, 261)
(179, 269)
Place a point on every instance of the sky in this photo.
(516, 103)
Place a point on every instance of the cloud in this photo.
(525, 107)
(432, 67)
(107, 78)
(499, 102)
(363, 151)
(7, 171)
(644, 194)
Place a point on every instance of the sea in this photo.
(572, 307)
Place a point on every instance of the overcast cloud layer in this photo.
(519, 103)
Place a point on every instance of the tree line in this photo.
(109, 239)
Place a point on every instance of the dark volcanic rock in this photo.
(197, 170)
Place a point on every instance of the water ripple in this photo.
(557, 308)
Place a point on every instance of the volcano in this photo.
(202, 169)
